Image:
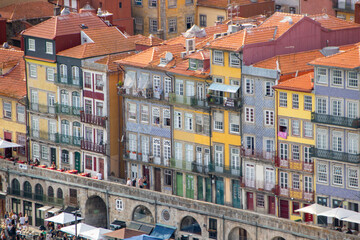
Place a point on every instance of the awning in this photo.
(129, 79)
(223, 87)
(118, 224)
(54, 210)
(124, 233)
(141, 227)
(70, 209)
(163, 231)
(144, 81)
(45, 208)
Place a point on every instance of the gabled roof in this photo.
(64, 25)
(106, 40)
(303, 83)
(200, 55)
(348, 59)
(13, 83)
(223, 4)
(333, 23)
(27, 10)
(109, 60)
(150, 41)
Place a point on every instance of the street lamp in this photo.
(76, 212)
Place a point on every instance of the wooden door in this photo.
(101, 167)
(157, 179)
(271, 201)
(284, 209)
(250, 200)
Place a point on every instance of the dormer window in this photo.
(192, 64)
(31, 44)
(49, 48)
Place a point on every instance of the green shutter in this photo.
(220, 191)
(208, 190)
(179, 184)
(200, 188)
(236, 193)
(190, 186)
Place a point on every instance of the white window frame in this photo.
(50, 74)
(234, 59)
(295, 127)
(353, 177)
(353, 82)
(132, 114)
(218, 125)
(269, 91)
(119, 204)
(144, 114)
(249, 86)
(166, 115)
(44, 152)
(189, 122)
(337, 106)
(337, 80)
(31, 46)
(337, 175)
(155, 114)
(352, 109)
(218, 57)
(321, 76)
(295, 101)
(295, 152)
(177, 120)
(296, 181)
(20, 114)
(283, 99)
(49, 48)
(234, 123)
(322, 172)
(353, 143)
(7, 109)
(320, 108)
(337, 140)
(249, 115)
(307, 103)
(322, 138)
(308, 129)
(269, 117)
(32, 70)
(35, 151)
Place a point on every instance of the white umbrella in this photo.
(313, 209)
(353, 218)
(338, 213)
(63, 218)
(7, 144)
(95, 234)
(81, 228)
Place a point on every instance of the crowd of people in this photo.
(13, 225)
(141, 183)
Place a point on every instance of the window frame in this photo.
(336, 177)
(283, 101)
(295, 101)
(335, 78)
(7, 110)
(152, 23)
(234, 56)
(32, 70)
(352, 178)
(307, 103)
(269, 118)
(218, 57)
(321, 78)
(355, 80)
(249, 115)
(49, 48)
(172, 21)
(322, 177)
(32, 46)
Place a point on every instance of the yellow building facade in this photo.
(206, 16)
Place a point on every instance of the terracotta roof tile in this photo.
(109, 60)
(13, 83)
(223, 4)
(64, 25)
(27, 10)
(333, 23)
(150, 41)
(182, 68)
(303, 83)
(201, 55)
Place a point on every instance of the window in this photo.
(49, 48)
(167, 149)
(352, 110)
(353, 79)
(269, 91)
(321, 139)
(307, 156)
(156, 147)
(283, 125)
(132, 143)
(7, 109)
(308, 184)
(144, 114)
(218, 57)
(234, 123)
(138, 2)
(337, 141)
(269, 144)
(337, 175)
(292, 10)
(139, 22)
(35, 151)
(75, 75)
(296, 181)
(132, 111)
(284, 151)
(198, 124)
(87, 77)
(220, 18)
(283, 180)
(269, 118)
(20, 112)
(177, 119)
(308, 129)
(153, 24)
(296, 152)
(166, 117)
(44, 152)
(33, 71)
(336, 107)
(337, 77)
(179, 88)
(353, 177)
(65, 156)
(260, 200)
(172, 25)
(203, 20)
(99, 82)
(235, 158)
(21, 139)
(353, 143)
(189, 153)
(295, 101)
(189, 1)
(155, 116)
(295, 206)
(152, 3)
(172, 3)
(322, 172)
(308, 103)
(99, 109)
(50, 72)
(31, 44)
(119, 204)
(321, 75)
(218, 121)
(189, 21)
(63, 73)
(189, 122)
(167, 86)
(206, 125)
(283, 99)
(321, 105)
(178, 151)
(192, 64)
(249, 86)
(295, 126)
(249, 115)
(219, 156)
(234, 59)
(168, 177)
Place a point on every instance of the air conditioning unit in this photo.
(183, 54)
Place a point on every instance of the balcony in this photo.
(93, 147)
(147, 93)
(279, 162)
(189, 166)
(231, 171)
(137, 156)
(65, 80)
(226, 102)
(335, 120)
(41, 108)
(191, 101)
(308, 196)
(92, 119)
(296, 193)
(308, 167)
(259, 155)
(260, 185)
(333, 155)
(70, 140)
(44, 135)
(37, 197)
(68, 110)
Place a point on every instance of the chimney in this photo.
(357, 12)
(2, 30)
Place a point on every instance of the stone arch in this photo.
(142, 214)
(39, 192)
(239, 233)
(15, 187)
(278, 238)
(27, 189)
(190, 225)
(96, 212)
(59, 193)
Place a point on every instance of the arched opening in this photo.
(239, 233)
(51, 193)
(95, 212)
(190, 225)
(278, 238)
(59, 196)
(15, 187)
(39, 192)
(142, 214)
(27, 190)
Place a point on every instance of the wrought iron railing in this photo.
(335, 120)
(334, 155)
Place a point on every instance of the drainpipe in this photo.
(241, 130)
(156, 214)
(107, 209)
(223, 217)
(256, 230)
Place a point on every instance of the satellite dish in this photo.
(168, 56)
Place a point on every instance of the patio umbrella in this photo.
(7, 144)
(353, 218)
(313, 209)
(95, 234)
(63, 218)
(338, 213)
(81, 228)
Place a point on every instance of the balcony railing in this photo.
(308, 196)
(71, 140)
(232, 171)
(68, 110)
(190, 166)
(233, 103)
(279, 162)
(90, 146)
(68, 80)
(191, 101)
(148, 93)
(260, 185)
(132, 155)
(33, 196)
(335, 120)
(92, 119)
(44, 135)
(41, 108)
(262, 155)
(333, 155)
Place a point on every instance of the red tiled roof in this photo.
(201, 55)
(303, 83)
(223, 4)
(333, 23)
(182, 68)
(13, 83)
(109, 60)
(64, 25)
(27, 10)
(150, 41)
